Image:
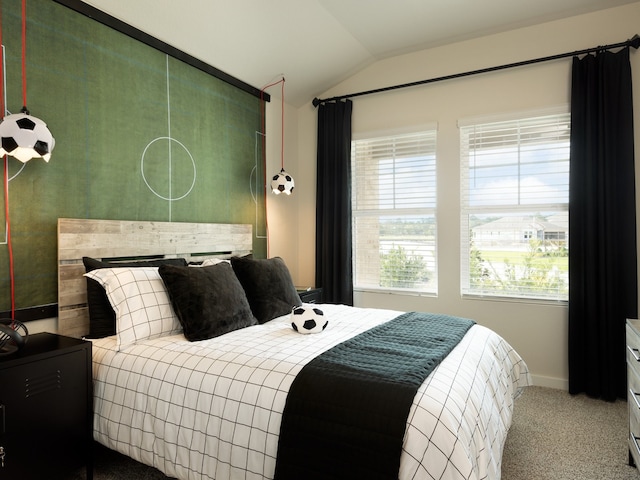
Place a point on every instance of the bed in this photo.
(212, 408)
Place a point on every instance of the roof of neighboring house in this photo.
(522, 223)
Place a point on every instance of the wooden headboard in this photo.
(116, 239)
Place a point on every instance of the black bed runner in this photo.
(347, 409)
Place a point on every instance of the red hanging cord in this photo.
(264, 143)
(282, 118)
(10, 248)
(24, 53)
(6, 186)
(264, 164)
(2, 107)
(282, 128)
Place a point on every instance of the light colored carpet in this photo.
(554, 436)
(558, 436)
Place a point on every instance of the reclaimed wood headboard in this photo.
(117, 239)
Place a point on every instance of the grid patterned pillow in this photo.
(102, 318)
(141, 303)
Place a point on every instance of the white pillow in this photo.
(141, 303)
(214, 261)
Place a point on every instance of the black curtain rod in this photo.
(633, 42)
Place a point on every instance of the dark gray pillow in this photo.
(268, 285)
(102, 318)
(209, 301)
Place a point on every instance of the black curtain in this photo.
(333, 203)
(602, 224)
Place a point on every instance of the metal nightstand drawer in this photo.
(47, 413)
(633, 385)
(633, 348)
(311, 295)
(633, 400)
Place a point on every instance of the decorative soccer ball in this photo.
(25, 137)
(308, 319)
(282, 183)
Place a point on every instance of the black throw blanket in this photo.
(347, 409)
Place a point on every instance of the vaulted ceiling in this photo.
(316, 44)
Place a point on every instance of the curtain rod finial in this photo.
(316, 101)
(635, 41)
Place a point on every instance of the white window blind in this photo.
(393, 205)
(514, 207)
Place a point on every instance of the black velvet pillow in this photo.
(102, 318)
(209, 301)
(268, 285)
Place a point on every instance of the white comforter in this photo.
(212, 409)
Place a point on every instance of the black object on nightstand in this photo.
(310, 295)
(46, 409)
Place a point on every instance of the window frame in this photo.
(407, 212)
(467, 209)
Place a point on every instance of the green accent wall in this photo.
(139, 135)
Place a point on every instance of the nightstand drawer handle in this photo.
(635, 352)
(635, 398)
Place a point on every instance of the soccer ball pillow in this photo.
(25, 137)
(308, 319)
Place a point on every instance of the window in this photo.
(514, 205)
(393, 205)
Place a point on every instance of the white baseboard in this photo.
(551, 382)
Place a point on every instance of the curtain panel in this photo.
(602, 224)
(334, 270)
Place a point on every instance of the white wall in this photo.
(538, 332)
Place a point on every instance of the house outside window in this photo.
(514, 207)
(394, 212)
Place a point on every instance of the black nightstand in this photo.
(310, 295)
(46, 409)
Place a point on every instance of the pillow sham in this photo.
(140, 301)
(209, 301)
(268, 286)
(214, 261)
(102, 318)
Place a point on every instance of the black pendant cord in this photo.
(633, 42)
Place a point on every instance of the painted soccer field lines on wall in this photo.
(153, 153)
(140, 135)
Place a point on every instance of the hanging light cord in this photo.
(264, 142)
(10, 248)
(282, 127)
(24, 57)
(6, 189)
(264, 163)
(281, 81)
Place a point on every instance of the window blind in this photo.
(514, 207)
(393, 204)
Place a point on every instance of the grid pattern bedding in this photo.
(212, 409)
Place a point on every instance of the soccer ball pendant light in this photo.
(21, 135)
(282, 183)
(25, 137)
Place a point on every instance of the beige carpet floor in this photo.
(557, 436)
